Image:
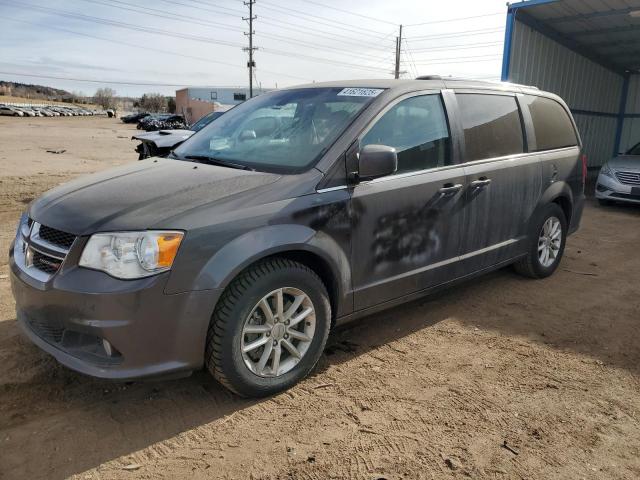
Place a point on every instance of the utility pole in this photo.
(398, 50)
(251, 64)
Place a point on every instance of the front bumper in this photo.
(151, 333)
(608, 188)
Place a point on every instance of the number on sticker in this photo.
(360, 92)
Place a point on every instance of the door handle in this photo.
(450, 189)
(481, 183)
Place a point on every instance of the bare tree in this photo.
(78, 97)
(105, 97)
(153, 102)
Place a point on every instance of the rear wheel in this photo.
(269, 328)
(547, 238)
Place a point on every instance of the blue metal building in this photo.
(588, 52)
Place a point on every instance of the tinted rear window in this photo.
(551, 123)
(492, 126)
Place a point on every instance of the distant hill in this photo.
(36, 92)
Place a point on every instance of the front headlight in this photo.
(606, 170)
(131, 254)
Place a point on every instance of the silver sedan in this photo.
(619, 179)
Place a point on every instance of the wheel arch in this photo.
(559, 193)
(299, 243)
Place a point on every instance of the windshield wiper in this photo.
(216, 161)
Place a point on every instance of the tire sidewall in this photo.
(551, 210)
(245, 381)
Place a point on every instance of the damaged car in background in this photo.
(134, 117)
(160, 143)
(161, 121)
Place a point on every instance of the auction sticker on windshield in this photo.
(360, 92)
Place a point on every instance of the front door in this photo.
(407, 226)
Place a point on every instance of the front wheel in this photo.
(269, 328)
(547, 238)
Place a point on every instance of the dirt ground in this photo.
(500, 378)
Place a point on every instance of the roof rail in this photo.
(458, 79)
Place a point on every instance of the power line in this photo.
(173, 16)
(191, 20)
(449, 62)
(283, 24)
(463, 33)
(106, 82)
(410, 57)
(197, 38)
(457, 19)
(350, 13)
(301, 15)
(466, 57)
(151, 49)
(323, 20)
(457, 47)
(129, 26)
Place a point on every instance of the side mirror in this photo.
(377, 161)
(248, 135)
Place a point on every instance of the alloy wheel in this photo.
(550, 241)
(278, 332)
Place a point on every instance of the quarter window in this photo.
(417, 129)
(492, 126)
(551, 123)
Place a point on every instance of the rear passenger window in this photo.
(492, 126)
(417, 129)
(551, 123)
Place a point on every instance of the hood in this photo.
(141, 195)
(625, 162)
(164, 138)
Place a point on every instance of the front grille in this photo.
(628, 178)
(57, 237)
(46, 263)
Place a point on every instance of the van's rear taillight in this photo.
(584, 170)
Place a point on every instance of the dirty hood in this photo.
(625, 162)
(141, 195)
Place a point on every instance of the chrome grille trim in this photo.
(49, 256)
(628, 178)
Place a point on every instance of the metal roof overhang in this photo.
(605, 31)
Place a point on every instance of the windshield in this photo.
(204, 121)
(284, 131)
(635, 150)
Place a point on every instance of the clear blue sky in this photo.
(199, 42)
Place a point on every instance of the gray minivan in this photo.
(296, 211)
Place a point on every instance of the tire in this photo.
(238, 307)
(604, 202)
(531, 265)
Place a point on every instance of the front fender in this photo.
(266, 241)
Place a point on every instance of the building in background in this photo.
(586, 52)
(194, 103)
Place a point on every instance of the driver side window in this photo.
(417, 128)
